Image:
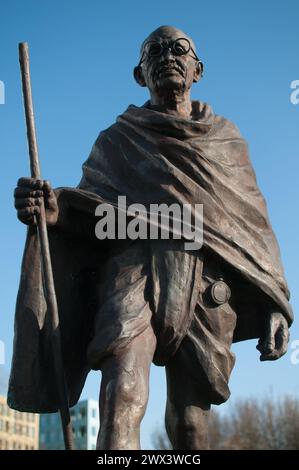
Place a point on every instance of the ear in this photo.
(198, 73)
(138, 75)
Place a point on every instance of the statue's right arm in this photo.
(28, 198)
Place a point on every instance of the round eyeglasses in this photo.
(180, 46)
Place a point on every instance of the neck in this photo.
(172, 103)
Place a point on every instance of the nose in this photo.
(167, 55)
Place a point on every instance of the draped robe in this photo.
(150, 157)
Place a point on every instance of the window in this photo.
(94, 413)
(93, 431)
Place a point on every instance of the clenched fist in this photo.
(274, 341)
(28, 199)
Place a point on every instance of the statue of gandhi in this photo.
(153, 300)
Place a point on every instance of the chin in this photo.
(170, 82)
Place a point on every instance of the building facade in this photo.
(85, 424)
(18, 431)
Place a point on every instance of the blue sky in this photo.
(82, 57)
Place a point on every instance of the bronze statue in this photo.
(125, 303)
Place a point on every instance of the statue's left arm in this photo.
(274, 340)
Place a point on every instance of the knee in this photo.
(128, 390)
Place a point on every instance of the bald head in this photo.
(166, 33)
(168, 64)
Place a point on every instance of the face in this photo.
(169, 70)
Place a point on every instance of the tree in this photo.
(252, 425)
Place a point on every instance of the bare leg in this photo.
(187, 414)
(124, 393)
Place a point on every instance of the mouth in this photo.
(167, 71)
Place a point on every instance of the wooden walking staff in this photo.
(50, 295)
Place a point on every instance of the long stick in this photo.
(45, 253)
